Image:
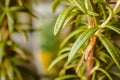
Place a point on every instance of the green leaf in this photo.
(66, 77)
(80, 4)
(19, 76)
(20, 52)
(55, 4)
(92, 13)
(1, 51)
(65, 49)
(105, 72)
(10, 21)
(2, 75)
(57, 60)
(61, 19)
(111, 49)
(80, 41)
(79, 30)
(9, 69)
(2, 16)
(7, 3)
(117, 30)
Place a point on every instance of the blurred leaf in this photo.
(10, 21)
(1, 51)
(57, 60)
(66, 77)
(7, 3)
(105, 72)
(111, 49)
(55, 4)
(18, 74)
(80, 41)
(2, 75)
(117, 30)
(93, 76)
(80, 4)
(20, 52)
(20, 30)
(79, 30)
(2, 16)
(9, 68)
(61, 19)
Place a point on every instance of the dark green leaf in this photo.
(80, 41)
(117, 30)
(61, 19)
(1, 51)
(19, 76)
(66, 77)
(57, 60)
(80, 4)
(111, 49)
(55, 4)
(10, 21)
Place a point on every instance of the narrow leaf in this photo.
(80, 41)
(117, 30)
(111, 49)
(66, 77)
(55, 4)
(2, 18)
(81, 29)
(1, 51)
(80, 4)
(57, 60)
(105, 72)
(19, 76)
(92, 13)
(10, 21)
(61, 19)
(2, 75)
(7, 3)
(9, 69)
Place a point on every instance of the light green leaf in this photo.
(61, 19)
(57, 60)
(9, 69)
(1, 51)
(2, 16)
(79, 30)
(2, 75)
(66, 77)
(111, 49)
(105, 72)
(80, 41)
(20, 52)
(70, 17)
(10, 21)
(65, 49)
(117, 30)
(92, 13)
(7, 3)
(80, 4)
(55, 4)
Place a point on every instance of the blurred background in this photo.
(42, 45)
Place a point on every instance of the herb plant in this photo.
(12, 58)
(89, 50)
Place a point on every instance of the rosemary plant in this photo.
(12, 57)
(89, 50)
